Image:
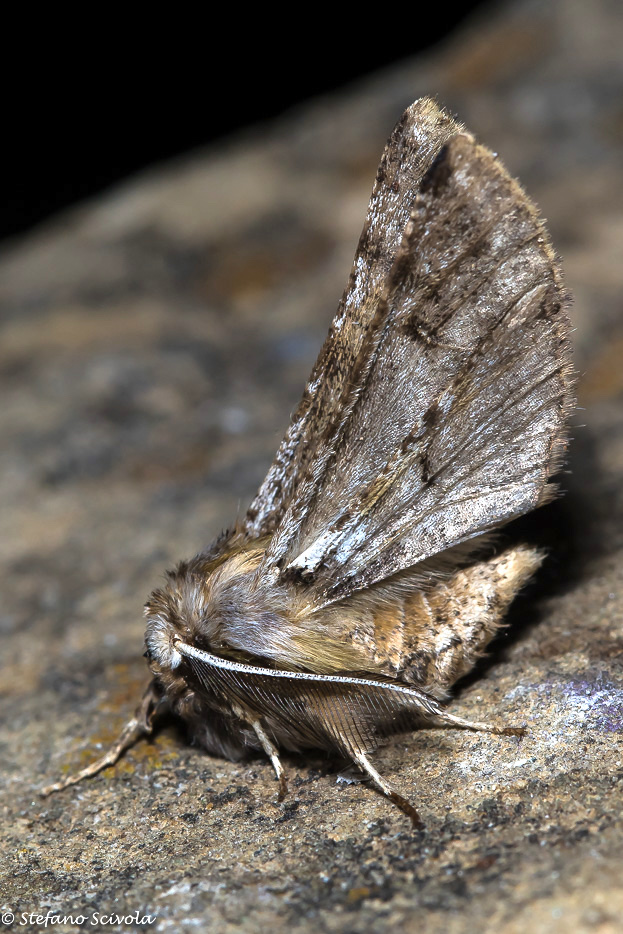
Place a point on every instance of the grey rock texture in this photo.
(153, 345)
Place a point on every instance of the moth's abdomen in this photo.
(431, 637)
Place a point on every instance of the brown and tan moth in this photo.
(363, 581)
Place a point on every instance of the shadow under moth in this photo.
(364, 579)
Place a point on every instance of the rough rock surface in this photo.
(153, 345)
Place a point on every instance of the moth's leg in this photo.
(273, 755)
(443, 718)
(362, 760)
(141, 724)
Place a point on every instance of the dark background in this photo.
(90, 101)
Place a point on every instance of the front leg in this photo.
(142, 723)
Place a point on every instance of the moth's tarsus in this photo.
(283, 788)
(272, 754)
(140, 726)
(477, 726)
(407, 808)
(364, 581)
(513, 731)
(131, 733)
(384, 786)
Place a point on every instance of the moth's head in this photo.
(173, 613)
(203, 602)
(165, 628)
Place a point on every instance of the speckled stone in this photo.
(154, 343)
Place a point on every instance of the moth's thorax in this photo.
(224, 602)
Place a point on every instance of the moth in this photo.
(364, 579)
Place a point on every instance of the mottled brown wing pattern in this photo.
(355, 331)
(460, 419)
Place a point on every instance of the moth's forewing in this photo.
(456, 415)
